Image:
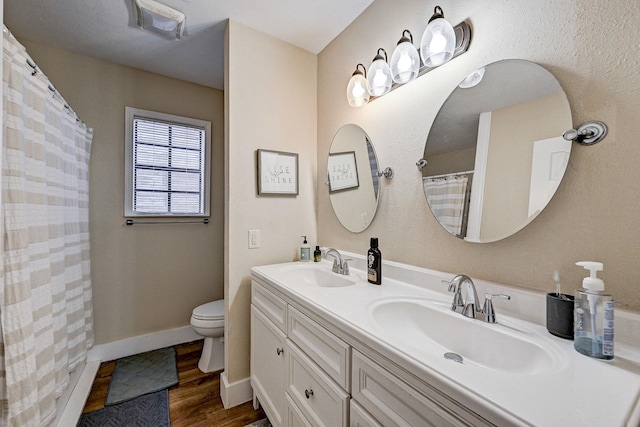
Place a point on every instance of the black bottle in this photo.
(374, 263)
(317, 254)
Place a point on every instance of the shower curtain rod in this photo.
(35, 71)
(446, 175)
(195, 221)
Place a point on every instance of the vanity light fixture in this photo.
(405, 61)
(357, 91)
(379, 78)
(439, 46)
(153, 16)
(438, 41)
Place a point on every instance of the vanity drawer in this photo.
(272, 306)
(330, 353)
(318, 397)
(392, 401)
(358, 417)
(292, 415)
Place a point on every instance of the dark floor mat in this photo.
(150, 410)
(141, 374)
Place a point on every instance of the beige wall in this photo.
(270, 104)
(584, 43)
(514, 130)
(146, 278)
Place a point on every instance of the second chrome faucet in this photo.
(465, 299)
(340, 265)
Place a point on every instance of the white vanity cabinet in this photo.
(328, 378)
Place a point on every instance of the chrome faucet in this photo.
(340, 265)
(467, 303)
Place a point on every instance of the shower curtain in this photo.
(45, 284)
(447, 199)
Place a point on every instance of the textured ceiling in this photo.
(105, 29)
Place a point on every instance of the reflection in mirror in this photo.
(352, 172)
(495, 153)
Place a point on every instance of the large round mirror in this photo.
(352, 172)
(495, 153)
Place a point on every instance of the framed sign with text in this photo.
(342, 170)
(277, 173)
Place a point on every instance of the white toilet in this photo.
(208, 320)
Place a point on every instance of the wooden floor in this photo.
(194, 402)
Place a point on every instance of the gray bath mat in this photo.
(150, 410)
(141, 374)
(262, 423)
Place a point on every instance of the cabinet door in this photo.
(267, 365)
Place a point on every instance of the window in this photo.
(167, 164)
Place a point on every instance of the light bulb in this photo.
(438, 41)
(357, 92)
(405, 62)
(379, 79)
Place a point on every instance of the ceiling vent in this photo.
(153, 16)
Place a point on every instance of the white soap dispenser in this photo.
(305, 250)
(593, 316)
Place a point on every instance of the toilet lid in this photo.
(210, 311)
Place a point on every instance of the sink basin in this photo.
(429, 326)
(316, 275)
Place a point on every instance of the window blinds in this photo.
(168, 168)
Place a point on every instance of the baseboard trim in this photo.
(236, 393)
(140, 344)
(80, 387)
(82, 380)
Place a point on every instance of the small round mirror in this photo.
(495, 153)
(352, 178)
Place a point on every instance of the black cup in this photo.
(560, 315)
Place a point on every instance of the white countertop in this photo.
(576, 391)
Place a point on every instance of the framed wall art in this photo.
(342, 170)
(277, 173)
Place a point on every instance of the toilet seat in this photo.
(213, 310)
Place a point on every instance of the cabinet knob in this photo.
(308, 393)
(279, 351)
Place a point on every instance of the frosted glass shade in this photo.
(357, 92)
(405, 63)
(472, 79)
(379, 77)
(438, 43)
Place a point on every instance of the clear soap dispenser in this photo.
(305, 250)
(593, 316)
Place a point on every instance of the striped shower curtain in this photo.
(447, 199)
(45, 284)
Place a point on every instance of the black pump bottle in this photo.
(374, 263)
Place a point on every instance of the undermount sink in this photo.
(430, 326)
(316, 275)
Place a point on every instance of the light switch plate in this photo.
(254, 239)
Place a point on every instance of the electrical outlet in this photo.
(254, 239)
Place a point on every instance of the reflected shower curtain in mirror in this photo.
(45, 284)
(447, 198)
